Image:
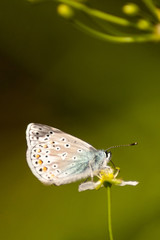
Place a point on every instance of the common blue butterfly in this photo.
(55, 157)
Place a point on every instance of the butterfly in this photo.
(56, 157)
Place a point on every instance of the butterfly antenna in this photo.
(123, 145)
(114, 166)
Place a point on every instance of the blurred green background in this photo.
(103, 93)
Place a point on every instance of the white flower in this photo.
(106, 176)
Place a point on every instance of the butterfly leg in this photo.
(91, 171)
(86, 180)
(117, 172)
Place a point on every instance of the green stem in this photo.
(109, 213)
(121, 39)
(152, 8)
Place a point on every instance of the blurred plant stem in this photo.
(101, 15)
(111, 38)
(97, 13)
(147, 30)
(150, 5)
(139, 27)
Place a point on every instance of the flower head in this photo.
(107, 176)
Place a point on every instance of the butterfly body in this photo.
(58, 158)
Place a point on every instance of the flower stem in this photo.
(109, 213)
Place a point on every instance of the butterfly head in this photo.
(107, 159)
(108, 155)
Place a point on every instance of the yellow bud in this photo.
(65, 11)
(130, 9)
(143, 24)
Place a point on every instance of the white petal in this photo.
(86, 186)
(132, 183)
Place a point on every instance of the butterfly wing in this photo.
(56, 157)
